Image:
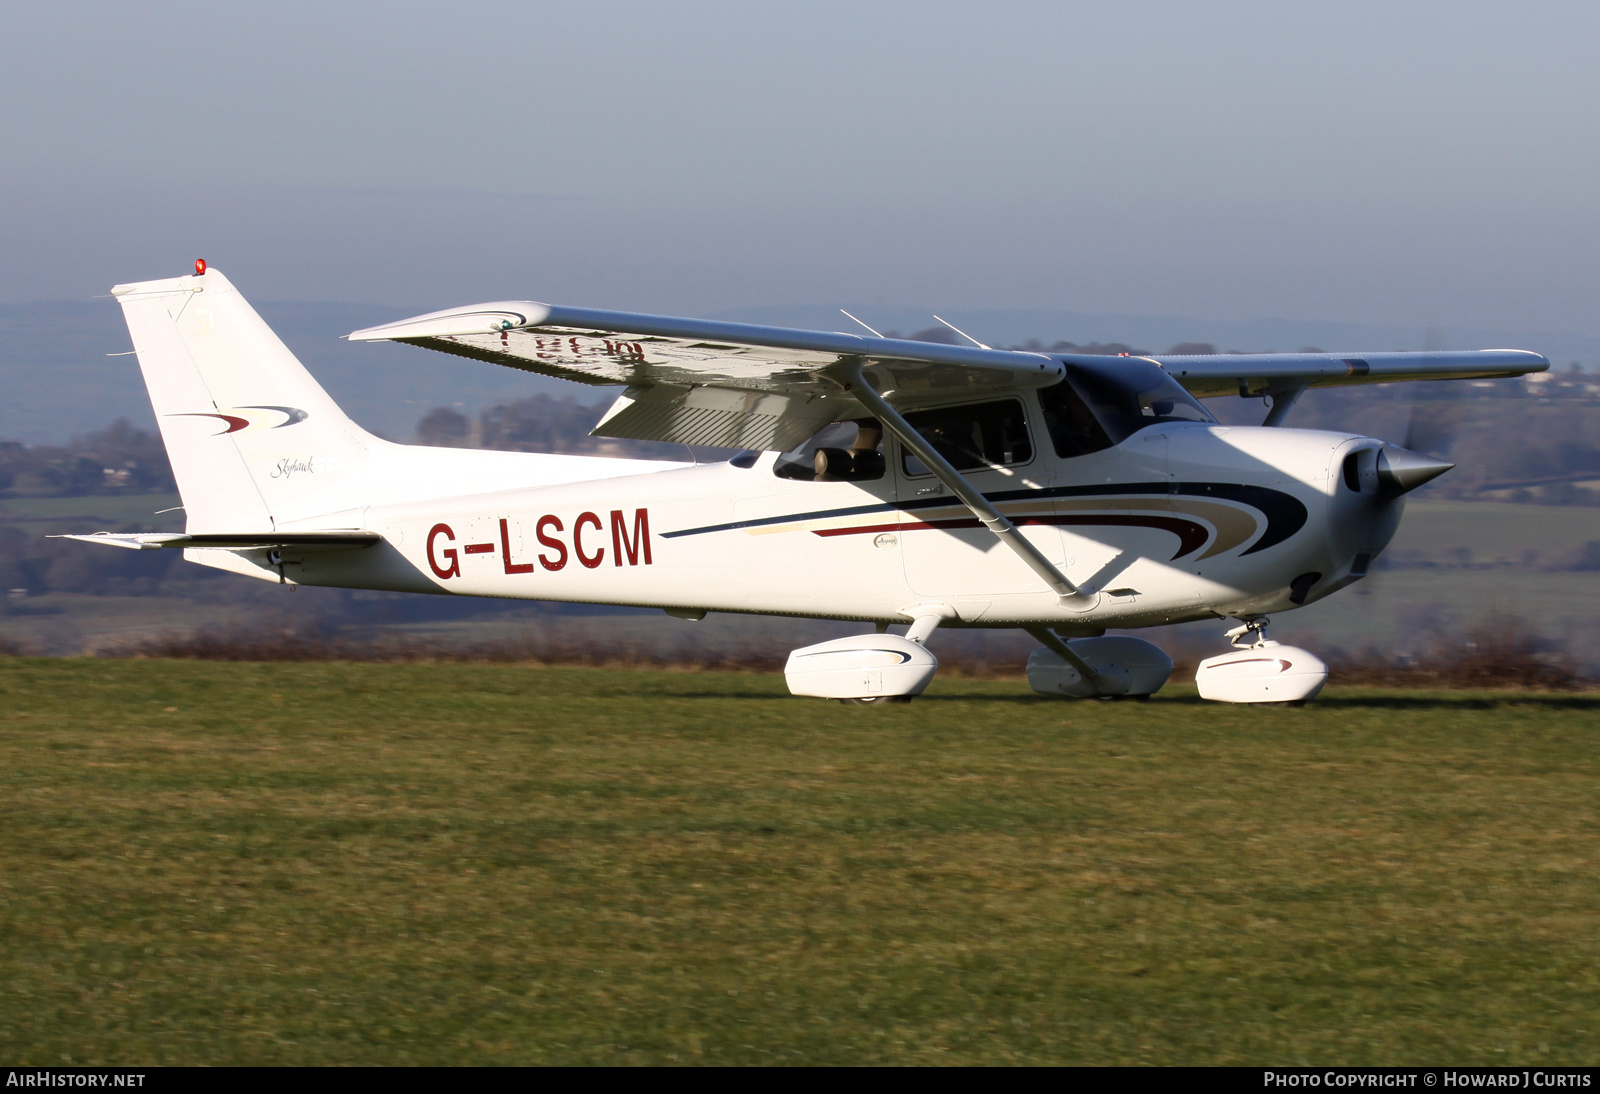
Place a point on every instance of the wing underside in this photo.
(687, 392)
(704, 382)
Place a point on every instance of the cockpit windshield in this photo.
(1098, 406)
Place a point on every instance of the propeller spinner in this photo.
(1401, 470)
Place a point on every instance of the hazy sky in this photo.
(1418, 163)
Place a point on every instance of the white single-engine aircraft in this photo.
(882, 480)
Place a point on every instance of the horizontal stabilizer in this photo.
(348, 539)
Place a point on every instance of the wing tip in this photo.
(490, 318)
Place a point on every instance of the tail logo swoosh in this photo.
(238, 419)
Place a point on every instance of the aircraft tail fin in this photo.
(254, 441)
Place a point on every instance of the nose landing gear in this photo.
(1259, 670)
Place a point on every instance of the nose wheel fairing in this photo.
(1258, 670)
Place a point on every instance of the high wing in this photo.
(740, 385)
(1270, 373)
(696, 381)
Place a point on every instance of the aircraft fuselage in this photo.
(1179, 522)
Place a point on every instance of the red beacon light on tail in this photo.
(199, 267)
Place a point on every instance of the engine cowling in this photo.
(863, 666)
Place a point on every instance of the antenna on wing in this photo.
(963, 333)
(847, 315)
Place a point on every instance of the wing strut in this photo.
(970, 496)
(1057, 645)
(1282, 399)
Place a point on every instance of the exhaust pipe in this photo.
(1401, 470)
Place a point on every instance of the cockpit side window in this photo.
(841, 452)
(1098, 406)
(1074, 430)
(973, 437)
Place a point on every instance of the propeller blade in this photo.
(1435, 418)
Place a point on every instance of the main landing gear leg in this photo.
(1109, 667)
(918, 632)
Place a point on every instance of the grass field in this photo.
(280, 863)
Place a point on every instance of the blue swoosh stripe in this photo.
(1285, 514)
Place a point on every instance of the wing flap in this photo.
(720, 417)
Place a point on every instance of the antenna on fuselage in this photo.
(847, 315)
(963, 333)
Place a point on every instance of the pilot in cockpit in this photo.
(847, 451)
(862, 460)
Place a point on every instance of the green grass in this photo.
(463, 864)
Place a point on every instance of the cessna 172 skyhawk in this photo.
(882, 481)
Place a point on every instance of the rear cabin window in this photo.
(972, 437)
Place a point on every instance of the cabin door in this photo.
(946, 552)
